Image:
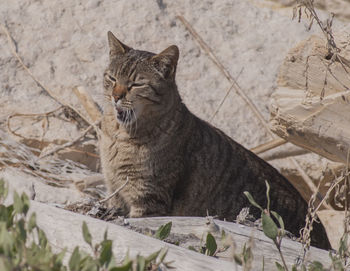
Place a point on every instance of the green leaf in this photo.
(251, 200)
(42, 238)
(163, 231)
(280, 220)
(10, 213)
(3, 190)
(127, 257)
(21, 230)
(88, 264)
(268, 196)
(26, 203)
(105, 235)
(7, 215)
(317, 266)
(7, 240)
(279, 266)
(343, 245)
(223, 235)
(125, 267)
(269, 227)
(152, 257)
(106, 253)
(238, 259)
(59, 257)
(141, 263)
(263, 264)
(210, 245)
(86, 234)
(32, 222)
(294, 268)
(17, 203)
(74, 260)
(192, 248)
(247, 254)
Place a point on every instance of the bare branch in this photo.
(115, 192)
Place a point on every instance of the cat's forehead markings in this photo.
(127, 64)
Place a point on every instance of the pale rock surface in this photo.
(39, 190)
(65, 45)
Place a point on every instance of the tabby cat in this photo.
(175, 163)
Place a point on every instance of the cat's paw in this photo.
(136, 212)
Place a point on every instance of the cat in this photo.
(174, 163)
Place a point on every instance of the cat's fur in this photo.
(176, 163)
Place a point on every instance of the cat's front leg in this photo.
(137, 212)
(146, 210)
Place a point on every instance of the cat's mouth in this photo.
(124, 116)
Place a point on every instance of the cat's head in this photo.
(139, 84)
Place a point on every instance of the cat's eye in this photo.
(135, 85)
(110, 77)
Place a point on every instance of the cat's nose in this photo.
(119, 92)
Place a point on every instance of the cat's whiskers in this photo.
(128, 119)
(135, 120)
(133, 114)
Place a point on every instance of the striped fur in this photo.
(176, 163)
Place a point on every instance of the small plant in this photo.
(270, 228)
(210, 247)
(245, 258)
(276, 234)
(163, 231)
(103, 258)
(24, 246)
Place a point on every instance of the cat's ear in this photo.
(115, 46)
(166, 61)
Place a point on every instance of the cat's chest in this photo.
(132, 151)
(128, 154)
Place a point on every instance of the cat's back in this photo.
(220, 170)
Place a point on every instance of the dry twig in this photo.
(115, 192)
(224, 99)
(46, 114)
(47, 90)
(312, 210)
(70, 143)
(225, 72)
(274, 143)
(88, 103)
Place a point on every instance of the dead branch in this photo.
(274, 143)
(8, 124)
(225, 72)
(88, 103)
(224, 99)
(115, 192)
(47, 90)
(70, 143)
(285, 153)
